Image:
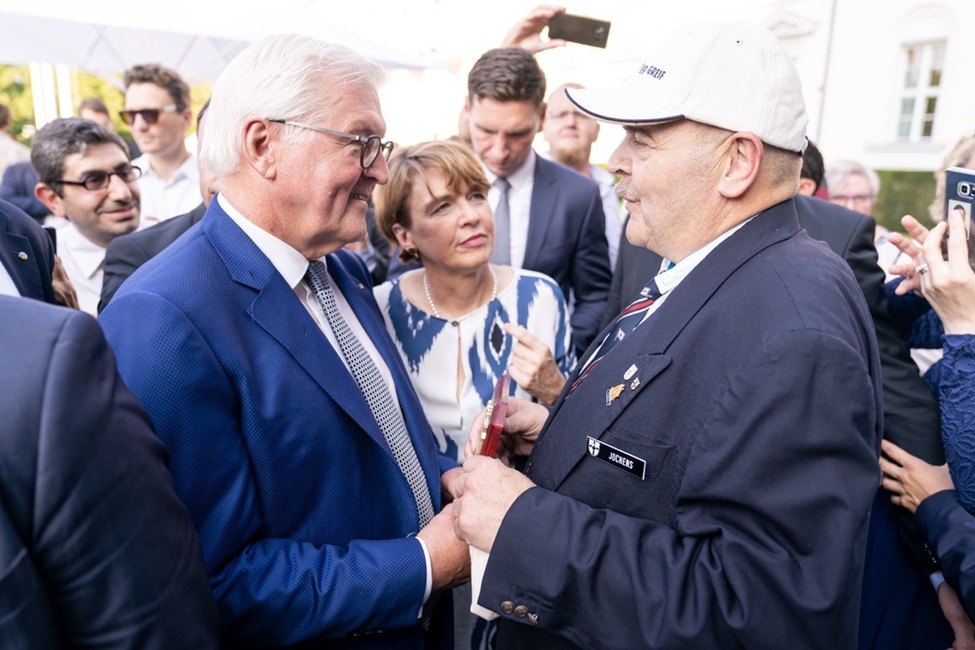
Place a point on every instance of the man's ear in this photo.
(46, 195)
(742, 158)
(807, 186)
(259, 149)
(187, 118)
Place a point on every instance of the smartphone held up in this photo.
(959, 199)
(579, 29)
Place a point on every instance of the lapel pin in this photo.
(630, 372)
(22, 255)
(613, 393)
(635, 384)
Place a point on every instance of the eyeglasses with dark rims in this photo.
(372, 145)
(99, 180)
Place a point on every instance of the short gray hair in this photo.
(62, 137)
(839, 172)
(278, 77)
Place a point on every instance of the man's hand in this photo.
(961, 625)
(64, 291)
(909, 479)
(447, 481)
(450, 561)
(533, 367)
(527, 32)
(948, 285)
(522, 424)
(484, 493)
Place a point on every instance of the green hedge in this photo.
(903, 193)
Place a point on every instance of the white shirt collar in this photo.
(291, 264)
(670, 276)
(188, 169)
(87, 255)
(519, 177)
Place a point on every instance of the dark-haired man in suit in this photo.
(127, 253)
(547, 217)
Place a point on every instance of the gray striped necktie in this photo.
(376, 392)
(502, 225)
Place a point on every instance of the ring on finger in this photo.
(922, 268)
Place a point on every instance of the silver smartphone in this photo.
(960, 199)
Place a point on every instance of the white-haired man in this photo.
(297, 441)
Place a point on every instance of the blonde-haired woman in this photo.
(460, 322)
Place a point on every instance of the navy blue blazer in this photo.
(950, 531)
(304, 516)
(747, 425)
(96, 550)
(127, 253)
(911, 416)
(27, 253)
(567, 242)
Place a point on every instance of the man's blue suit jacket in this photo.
(303, 513)
(753, 395)
(27, 253)
(128, 252)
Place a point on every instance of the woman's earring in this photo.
(415, 254)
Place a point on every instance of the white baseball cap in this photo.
(734, 76)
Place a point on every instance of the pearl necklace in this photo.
(433, 305)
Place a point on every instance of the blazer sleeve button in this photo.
(507, 607)
(521, 611)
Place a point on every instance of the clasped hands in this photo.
(482, 491)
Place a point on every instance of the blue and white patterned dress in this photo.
(430, 347)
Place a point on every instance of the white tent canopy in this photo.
(197, 49)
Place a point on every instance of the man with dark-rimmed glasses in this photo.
(296, 439)
(157, 109)
(85, 176)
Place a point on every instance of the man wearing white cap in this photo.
(705, 478)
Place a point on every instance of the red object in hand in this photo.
(493, 423)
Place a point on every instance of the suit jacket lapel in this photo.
(24, 273)
(277, 310)
(647, 346)
(540, 212)
(359, 296)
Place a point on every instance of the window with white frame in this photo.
(923, 64)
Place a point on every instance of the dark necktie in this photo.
(625, 323)
(502, 225)
(376, 392)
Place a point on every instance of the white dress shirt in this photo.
(164, 199)
(82, 261)
(7, 286)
